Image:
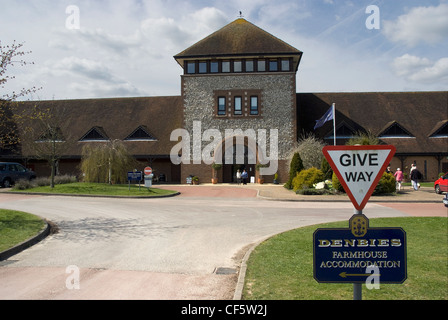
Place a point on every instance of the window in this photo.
(261, 64)
(226, 66)
(249, 66)
(95, 134)
(237, 66)
(140, 134)
(254, 105)
(285, 65)
(221, 106)
(203, 67)
(238, 109)
(214, 66)
(394, 130)
(237, 103)
(191, 67)
(273, 65)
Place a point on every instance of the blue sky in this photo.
(126, 48)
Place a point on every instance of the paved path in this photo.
(161, 248)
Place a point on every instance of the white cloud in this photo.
(423, 70)
(420, 25)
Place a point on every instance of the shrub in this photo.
(306, 178)
(310, 150)
(23, 184)
(336, 184)
(295, 167)
(326, 169)
(385, 185)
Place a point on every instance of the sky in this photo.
(101, 49)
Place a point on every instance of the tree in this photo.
(45, 134)
(11, 56)
(310, 149)
(295, 167)
(106, 162)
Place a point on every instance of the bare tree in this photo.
(11, 56)
(46, 134)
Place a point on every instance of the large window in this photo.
(238, 106)
(221, 106)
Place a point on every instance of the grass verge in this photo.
(84, 188)
(16, 227)
(281, 268)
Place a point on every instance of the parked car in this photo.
(10, 172)
(441, 184)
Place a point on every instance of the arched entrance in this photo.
(238, 153)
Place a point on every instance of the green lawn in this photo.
(84, 188)
(281, 268)
(16, 227)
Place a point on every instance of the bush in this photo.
(336, 184)
(386, 184)
(23, 184)
(306, 178)
(43, 182)
(295, 167)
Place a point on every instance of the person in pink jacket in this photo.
(398, 178)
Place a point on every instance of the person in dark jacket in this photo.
(416, 175)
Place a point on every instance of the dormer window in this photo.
(95, 134)
(140, 134)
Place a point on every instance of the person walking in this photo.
(238, 176)
(244, 176)
(416, 175)
(398, 178)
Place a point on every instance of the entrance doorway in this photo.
(238, 162)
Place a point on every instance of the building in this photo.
(239, 107)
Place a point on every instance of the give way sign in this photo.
(359, 168)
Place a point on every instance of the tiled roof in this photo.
(421, 113)
(238, 38)
(118, 118)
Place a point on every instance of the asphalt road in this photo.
(167, 248)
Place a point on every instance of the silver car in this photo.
(10, 172)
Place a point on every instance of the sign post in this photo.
(148, 177)
(134, 176)
(349, 255)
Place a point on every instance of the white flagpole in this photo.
(334, 123)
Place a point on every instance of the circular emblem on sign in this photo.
(359, 224)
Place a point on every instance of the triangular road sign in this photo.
(359, 168)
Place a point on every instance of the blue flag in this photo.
(326, 117)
